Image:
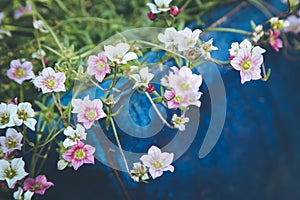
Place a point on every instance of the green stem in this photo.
(157, 111)
(231, 30)
(21, 93)
(17, 28)
(119, 145)
(58, 106)
(160, 47)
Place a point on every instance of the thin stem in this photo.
(59, 107)
(21, 93)
(40, 49)
(119, 145)
(219, 64)
(157, 111)
(231, 30)
(160, 47)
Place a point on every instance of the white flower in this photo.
(2, 15)
(119, 53)
(179, 122)
(157, 161)
(207, 47)
(279, 24)
(38, 54)
(169, 38)
(18, 195)
(235, 48)
(187, 38)
(139, 172)
(61, 164)
(72, 135)
(11, 141)
(25, 114)
(12, 172)
(7, 114)
(4, 32)
(40, 25)
(258, 33)
(159, 6)
(142, 79)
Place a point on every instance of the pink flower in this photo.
(20, 72)
(79, 154)
(274, 40)
(20, 11)
(12, 141)
(248, 64)
(175, 11)
(150, 88)
(157, 161)
(151, 16)
(294, 24)
(184, 88)
(50, 81)
(88, 111)
(97, 65)
(39, 185)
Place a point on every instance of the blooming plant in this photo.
(39, 118)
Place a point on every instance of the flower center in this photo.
(12, 143)
(37, 186)
(157, 164)
(4, 118)
(177, 121)
(91, 114)
(178, 99)
(101, 66)
(50, 83)
(10, 173)
(79, 154)
(184, 86)
(22, 115)
(246, 65)
(20, 72)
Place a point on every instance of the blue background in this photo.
(256, 157)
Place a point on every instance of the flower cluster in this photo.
(159, 7)
(157, 162)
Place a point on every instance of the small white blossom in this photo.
(157, 161)
(139, 172)
(142, 79)
(187, 38)
(179, 122)
(40, 25)
(169, 37)
(73, 135)
(25, 114)
(38, 54)
(11, 141)
(12, 172)
(207, 47)
(279, 24)
(258, 33)
(159, 6)
(7, 115)
(62, 164)
(119, 53)
(18, 195)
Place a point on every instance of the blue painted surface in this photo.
(256, 157)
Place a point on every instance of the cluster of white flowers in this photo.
(186, 40)
(16, 115)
